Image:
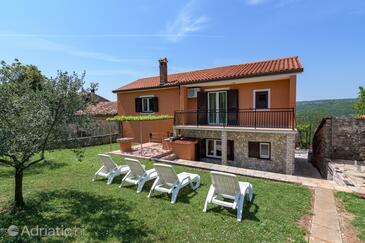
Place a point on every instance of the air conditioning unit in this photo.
(193, 92)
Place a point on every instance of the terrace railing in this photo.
(250, 118)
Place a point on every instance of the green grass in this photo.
(60, 193)
(356, 206)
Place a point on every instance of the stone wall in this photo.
(282, 148)
(338, 138)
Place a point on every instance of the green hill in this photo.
(310, 114)
(335, 107)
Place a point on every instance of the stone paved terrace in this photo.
(303, 177)
(306, 181)
(149, 151)
(347, 173)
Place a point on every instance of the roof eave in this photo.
(295, 71)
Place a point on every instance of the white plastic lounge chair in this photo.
(170, 182)
(227, 186)
(110, 169)
(137, 174)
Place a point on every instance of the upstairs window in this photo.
(147, 104)
(262, 99)
(260, 150)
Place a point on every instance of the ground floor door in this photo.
(213, 148)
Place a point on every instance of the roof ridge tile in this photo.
(250, 69)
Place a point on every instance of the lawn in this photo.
(356, 206)
(61, 193)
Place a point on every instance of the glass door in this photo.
(222, 114)
(212, 108)
(214, 148)
(217, 107)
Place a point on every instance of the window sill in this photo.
(260, 158)
(151, 112)
(268, 109)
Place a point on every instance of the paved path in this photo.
(306, 181)
(302, 167)
(325, 222)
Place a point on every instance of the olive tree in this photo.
(35, 115)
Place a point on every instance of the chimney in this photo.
(163, 70)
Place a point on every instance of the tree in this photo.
(307, 124)
(359, 105)
(35, 115)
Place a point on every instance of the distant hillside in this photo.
(335, 107)
(310, 114)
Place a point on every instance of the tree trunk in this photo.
(19, 201)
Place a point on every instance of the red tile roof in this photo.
(103, 109)
(245, 70)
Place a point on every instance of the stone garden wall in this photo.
(338, 138)
(282, 148)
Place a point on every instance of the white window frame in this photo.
(148, 98)
(214, 148)
(269, 151)
(218, 122)
(268, 97)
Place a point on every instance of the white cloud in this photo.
(194, 25)
(43, 44)
(185, 23)
(276, 3)
(255, 2)
(113, 35)
(112, 72)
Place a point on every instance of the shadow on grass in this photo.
(250, 210)
(184, 196)
(92, 217)
(146, 188)
(35, 169)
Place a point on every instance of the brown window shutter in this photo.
(202, 108)
(254, 149)
(232, 106)
(155, 104)
(138, 103)
(230, 150)
(202, 152)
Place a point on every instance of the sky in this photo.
(116, 42)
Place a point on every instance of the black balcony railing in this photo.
(251, 118)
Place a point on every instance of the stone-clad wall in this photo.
(282, 148)
(338, 138)
(322, 145)
(348, 138)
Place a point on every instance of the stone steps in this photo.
(164, 154)
(170, 157)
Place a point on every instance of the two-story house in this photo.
(242, 115)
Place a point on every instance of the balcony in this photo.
(274, 118)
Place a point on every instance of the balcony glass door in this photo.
(217, 107)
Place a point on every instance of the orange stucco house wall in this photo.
(168, 101)
(171, 99)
